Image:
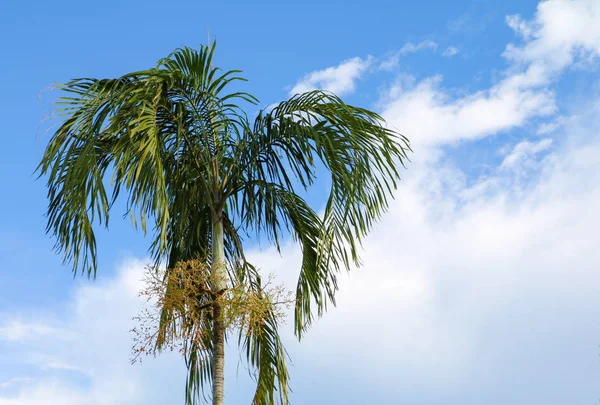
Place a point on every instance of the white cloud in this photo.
(92, 366)
(451, 51)
(15, 381)
(340, 79)
(524, 152)
(560, 31)
(17, 330)
(411, 47)
(467, 287)
(429, 115)
(98, 350)
(521, 27)
(45, 363)
(463, 293)
(391, 62)
(467, 292)
(549, 127)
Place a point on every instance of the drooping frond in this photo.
(362, 156)
(199, 365)
(76, 162)
(160, 135)
(263, 347)
(266, 353)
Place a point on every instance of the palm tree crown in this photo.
(193, 165)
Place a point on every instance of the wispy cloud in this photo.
(460, 22)
(472, 22)
(549, 127)
(47, 362)
(391, 62)
(410, 47)
(15, 382)
(16, 330)
(340, 79)
(525, 152)
(451, 51)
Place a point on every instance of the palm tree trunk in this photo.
(219, 274)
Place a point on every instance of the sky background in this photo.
(481, 284)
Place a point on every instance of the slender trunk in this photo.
(218, 274)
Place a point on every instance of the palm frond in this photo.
(264, 350)
(357, 149)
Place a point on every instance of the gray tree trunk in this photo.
(219, 275)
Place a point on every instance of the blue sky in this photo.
(479, 286)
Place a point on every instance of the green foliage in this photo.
(184, 154)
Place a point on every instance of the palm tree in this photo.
(190, 161)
